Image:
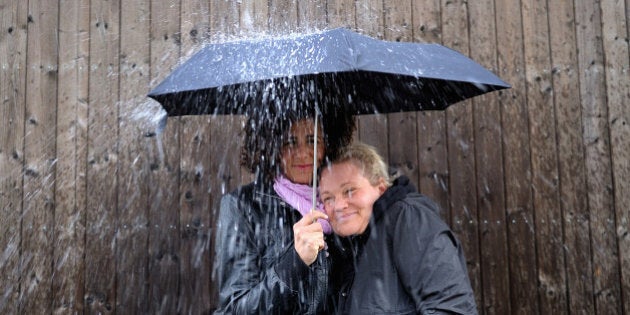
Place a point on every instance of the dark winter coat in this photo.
(257, 269)
(407, 261)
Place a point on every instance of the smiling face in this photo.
(297, 152)
(348, 197)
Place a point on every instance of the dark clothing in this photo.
(257, 269)
(407, 261)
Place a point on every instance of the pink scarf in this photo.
(299, 197)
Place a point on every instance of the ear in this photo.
(382, 187)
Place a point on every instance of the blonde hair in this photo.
(366, 158)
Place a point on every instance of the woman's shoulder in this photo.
(247, 192)
(416, 203)
(255, 197)
(419, 209)
(240, 200)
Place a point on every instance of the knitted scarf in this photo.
(300, 197)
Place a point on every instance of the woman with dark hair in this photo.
(268, 253)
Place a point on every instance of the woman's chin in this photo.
(304, 179)
(346, 230)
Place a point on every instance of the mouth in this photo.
(302, 167)
(344, 216)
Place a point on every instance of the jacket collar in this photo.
(264, 194)
(400, 188)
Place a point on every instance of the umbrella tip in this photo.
(161, 124)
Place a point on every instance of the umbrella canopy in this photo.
(364, 75)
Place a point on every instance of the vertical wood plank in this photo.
(133, 218)
(494, 269)
(165, 256)
(544, 159)
(372, 129)
(13, 39)
(596, 139)
(461, 149)
(370, 17)
(283, 18)
(195, 26)
(564, 72)
(254, 16)
(100, 251)
(196, 265)
(617, 69)
(432, 151)
(402, 127)
(224, 20)
(341, 13)
(224, 176)
(39, 159)
(516, 153)
(197, 289)
(427, 22)
(195, 177)
(70, 181)
(311, 15)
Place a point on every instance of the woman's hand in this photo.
(309, 236)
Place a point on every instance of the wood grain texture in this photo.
(571, 161)
(70, 180)
(402, 127)
(132, 293)
(163, 150)
(516, 154)
(13, 39)
(596, 142)
(461, 149)
(102, 158)
(617, 69)
(544, 159)
(107, 209)
(494, 267)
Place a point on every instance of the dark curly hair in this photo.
(283, 103)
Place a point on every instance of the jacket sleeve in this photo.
(244, 286)
(430, 263)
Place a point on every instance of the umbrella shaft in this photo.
(315, 165)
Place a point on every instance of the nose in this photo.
(304, 150)
(340, 204)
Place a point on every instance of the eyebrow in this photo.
(343, 185)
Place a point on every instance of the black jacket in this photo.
(256, 267)
(407, 261)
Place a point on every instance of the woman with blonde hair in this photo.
(402, 257)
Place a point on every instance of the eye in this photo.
(349, 191)
(289, 142)
(327, 200)
(310, 139)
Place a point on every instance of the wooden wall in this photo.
(104, 209)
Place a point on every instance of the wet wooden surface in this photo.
(106, 211)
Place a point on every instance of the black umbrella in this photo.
(371, 75)
(354, 73)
